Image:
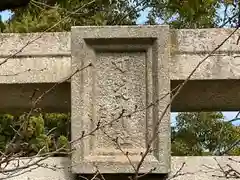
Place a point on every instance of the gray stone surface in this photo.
(189, 47)
(45, 69)
(204, 167)
(45, 60)
(18, 98)
(128, 73)
(195, 168)
(44, 44)
(208, 95)
(213, 87)
(54, 168)
(48, 60)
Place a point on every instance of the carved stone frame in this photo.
(85, 42)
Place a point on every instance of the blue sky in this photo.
(5, 15)
(228, 115)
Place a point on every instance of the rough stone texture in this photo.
(129, 72)
(213, 87)
(44, 44)
(45, 69)
(204, 167)
(189, 47)
(207, 95)
(18, 98)
(195, 168)
(34, 70)
(57, 169)
(47, 60)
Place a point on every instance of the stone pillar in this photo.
(123, 90)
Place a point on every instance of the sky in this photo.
(5, 15)
(228, 115)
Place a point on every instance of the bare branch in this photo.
(148, 148)
(46, 30)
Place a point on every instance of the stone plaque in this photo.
(118, 99)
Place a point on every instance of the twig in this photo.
(28, 70)
(175, 95)
(221, 168)
(115, 140)
(53, 7)
(231, 159)
(179, 170)
(46, 30)
(129, 12)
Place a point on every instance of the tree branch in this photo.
(12, 4)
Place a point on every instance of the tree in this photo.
(204, 133)
(44, 131)
(12, 4)
(193, 13)
(41, 15)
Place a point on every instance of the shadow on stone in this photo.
(121, 177)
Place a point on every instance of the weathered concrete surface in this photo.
(189, 47)
(52, 169)
(207, 95)
(47, 60)
(127, 74)
(215, 85)
(195, 168)
(51, 53)
(35, 69)
(19, 98)
(44, 44)
(204, 167)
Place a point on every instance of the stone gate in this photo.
(127, 74)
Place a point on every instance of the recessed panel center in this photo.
(120, 93)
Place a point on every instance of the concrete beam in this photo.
(215, 85)
(213, 95)
(47, 60)
(190, 46)
(49, 56)
(196, 167)
(19, 98)
(34, 70)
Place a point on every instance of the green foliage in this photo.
(57, 122)
(41, 15)
(35, 23)
(204, 133)
(44, 133)
(192, 13)
(194, 134)
(6, 132)
(63, 142)
(41, 142)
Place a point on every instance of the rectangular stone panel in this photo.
(128, 74)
